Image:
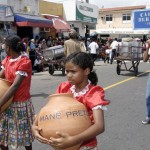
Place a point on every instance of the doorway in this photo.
(23, 32)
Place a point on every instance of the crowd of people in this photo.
(99, 49)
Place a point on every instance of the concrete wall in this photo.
(116, 22)
(24, 6)
(50, 8)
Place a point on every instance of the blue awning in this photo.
(32, 20)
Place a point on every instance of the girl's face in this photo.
(76, 75)
(7, 50)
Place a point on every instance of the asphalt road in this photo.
(123, 127)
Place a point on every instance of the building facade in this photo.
(25, 19)
(80, 14)
(119, 22)
(31, 18)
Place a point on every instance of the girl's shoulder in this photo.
(6, 59)
(96, 96)
(95, 88)
(64, 87)
(24, 59)
(24, 64)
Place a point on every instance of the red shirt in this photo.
(23, 64)
(93, 97)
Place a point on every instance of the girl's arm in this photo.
(36, 132)
(97, 128)
(12, 89)
(146, 55)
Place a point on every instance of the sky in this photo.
(119, 3)
(113, 3)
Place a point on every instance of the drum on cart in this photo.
(129, 51)
(54, 58)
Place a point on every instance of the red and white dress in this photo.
(92, 97)
(16, 121)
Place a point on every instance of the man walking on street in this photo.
(73, 44)
(114, 47)
(93, 49)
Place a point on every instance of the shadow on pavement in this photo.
(44, 95)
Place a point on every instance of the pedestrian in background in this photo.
(145, 59)
(73, 44)
(3, 47)
(93, 50)
(17, 119)
(32, 53)
(82, 83)
(114, 47)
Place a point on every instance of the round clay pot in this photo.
(4, 85)
(64, 114)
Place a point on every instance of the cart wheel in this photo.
(63, 71)
(118, 69)
(136, 71)
(51, 69)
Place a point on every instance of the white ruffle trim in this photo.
(13, 60)
(100, 106)
(22, 73)
(86, 89)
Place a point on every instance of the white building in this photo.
(119, 22)
(80, 14)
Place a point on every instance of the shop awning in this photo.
(58, 23)
(23, 20)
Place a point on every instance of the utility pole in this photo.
(86, 31)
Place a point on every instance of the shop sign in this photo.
(86, 12)
(2, 11)
(122, 31)
(5, 13)
(141, 19)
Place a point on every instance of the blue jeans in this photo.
(148, 98)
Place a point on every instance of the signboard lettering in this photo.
(142, 19)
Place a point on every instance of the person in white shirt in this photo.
(38, 65)
(3, 52)
(114, 47)
(93, 49)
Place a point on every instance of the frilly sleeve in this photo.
(95, 97)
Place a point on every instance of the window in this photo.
(126, 18)
(108, 18)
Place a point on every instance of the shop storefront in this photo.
(28, 24)
(122, 32)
